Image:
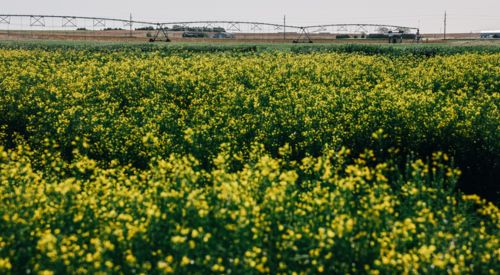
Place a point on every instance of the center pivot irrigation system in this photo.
(164, 31)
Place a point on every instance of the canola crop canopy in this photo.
(144, 160)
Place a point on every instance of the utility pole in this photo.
(284, 27)
(444, 25)
(130, 23)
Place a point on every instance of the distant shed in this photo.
(490, 34)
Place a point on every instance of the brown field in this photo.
(143, 36)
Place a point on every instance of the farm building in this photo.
(490, 34)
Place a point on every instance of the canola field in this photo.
(151, 161)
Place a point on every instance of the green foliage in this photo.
(425, 50)
(327, 214)
(342, 36)
(248, 160)
(114, 100)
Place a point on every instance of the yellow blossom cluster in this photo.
(154, 162)
(270, 216)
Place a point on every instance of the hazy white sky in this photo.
(463, 16)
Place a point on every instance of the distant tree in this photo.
(382, 30)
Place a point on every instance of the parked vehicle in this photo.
(194, 35)
(223, 35)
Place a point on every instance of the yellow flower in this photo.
(5, 264)
(185, 261)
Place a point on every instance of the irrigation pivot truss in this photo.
(66, 25)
